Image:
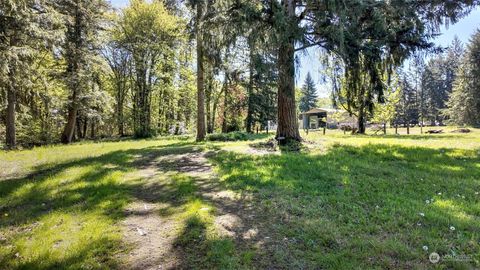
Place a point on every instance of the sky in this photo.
(309, 59)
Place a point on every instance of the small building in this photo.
(314, 119)
(323, 117)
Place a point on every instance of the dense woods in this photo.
(73, 70)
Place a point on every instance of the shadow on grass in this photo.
(416, 137)
(360, 206)
(200, 250)
(351, 207)
(86, 190)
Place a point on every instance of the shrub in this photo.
(230, 137)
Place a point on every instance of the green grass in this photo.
(346, 202)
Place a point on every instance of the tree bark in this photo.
(67, 134)
(287, 129)
(11, 139)
(201, 132)
(120, 101)
(361, 120)
(214, 109)
(79, 128)
(92, 130)
(250, 87)
(85, 126)
(361, 113)
(74, 57)
(225, 105)
(208, 103)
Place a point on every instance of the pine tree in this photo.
(26, 26)
(309, 95)
(407, 110)
(83, 24)
(464, 101)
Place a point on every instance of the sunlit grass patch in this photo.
(363, 204)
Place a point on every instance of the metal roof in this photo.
(315, 110)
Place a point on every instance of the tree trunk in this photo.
(85, 126)
(120, 101)
(79, 129)
(225, 104)
(142, 105)
(250, 87)
(421, 125)
(287, 129)
(201, 132)
(361, 119)
(214, 111)
(11, 139)
(92, 130)
(208, 103)
(67, 134)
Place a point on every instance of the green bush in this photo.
(229, 137)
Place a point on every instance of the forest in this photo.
(75, 70)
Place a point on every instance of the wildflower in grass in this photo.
(427, 201)
(425, 248)
(422, 214)
(452, 228)
(439, 193)
(476, 193)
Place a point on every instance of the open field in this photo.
(346, 202)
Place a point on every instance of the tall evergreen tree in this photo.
(438, 77)
(407, 110)
(25, 28)
(82, 23)
(464, 101)
(309, 95)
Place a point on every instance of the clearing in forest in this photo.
(344, 202)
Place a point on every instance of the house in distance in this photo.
(313, 119)
(318, 118)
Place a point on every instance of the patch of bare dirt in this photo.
(152, 235)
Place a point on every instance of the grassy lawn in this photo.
(346, 202)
